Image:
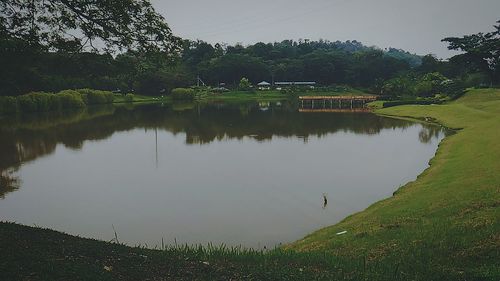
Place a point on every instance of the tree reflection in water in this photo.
(25, 138)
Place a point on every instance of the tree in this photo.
(245, 84)
(481, 52)
(73, 25)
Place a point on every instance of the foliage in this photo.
(481, 52)
(8, 104)
(407, 102)
(70, 99)
(43, 101)
(50, 24)
(453, 88)
(477, 79)
(129, 97)
(90, 96)
(33, 102)
(153, 73)
(399, 86)
(245, 84)
(427, 85)
(183, 94)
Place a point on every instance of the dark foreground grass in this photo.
(29, 253)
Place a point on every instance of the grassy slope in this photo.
(448, 220)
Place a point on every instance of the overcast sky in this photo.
(415, 26)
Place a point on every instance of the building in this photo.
(264, 85)
(298, 83)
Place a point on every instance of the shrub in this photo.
(453, 88)
(245, 84)
(8, 105)
(424, 89)
(54, 102)
(476, 80)
(26, 103)
(129, 97)
(414, 102)
(41, 100)
(90, 96)
(183, 94)
(70, 99)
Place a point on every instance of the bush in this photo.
(415, 102)
(70, 99)
(453, 88)
(54, 102)
(26, 103)
(8, 105)
(424, 89)
(90, 96)
(476, 80)
(41, 100)
(183, 94)
(245, 84)
(129, 97)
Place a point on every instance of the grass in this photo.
(450, 214)
(443, 226)
(39, 254)
(275, 95)
(245, 96)
(138, 99)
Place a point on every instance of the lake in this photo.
(256, 174)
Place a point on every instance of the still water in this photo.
(251, 175)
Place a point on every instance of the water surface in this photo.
(254, 175)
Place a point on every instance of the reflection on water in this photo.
(325, 201)
(240, 174)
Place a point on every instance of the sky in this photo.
(415, 26)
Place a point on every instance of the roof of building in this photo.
(264, 83)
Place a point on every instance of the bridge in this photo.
(334, 103)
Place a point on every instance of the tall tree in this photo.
(481, 52)
(74, 25)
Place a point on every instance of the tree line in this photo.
(116, 49)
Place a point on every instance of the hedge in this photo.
(183, 94)
(407, 102)
(129, 97)
(90, 96)
(8, 105)
(42, 101)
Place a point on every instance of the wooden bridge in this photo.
(334, 103)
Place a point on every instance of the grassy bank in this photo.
(450, 214)
(29, 253)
